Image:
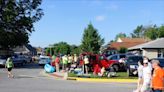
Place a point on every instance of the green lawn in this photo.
(119, 75)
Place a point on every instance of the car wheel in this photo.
(116, 68)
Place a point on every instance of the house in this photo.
(114, 47)
(152, 49)
(132, 40)
(25, 49)
(40, 51)
(6, 51)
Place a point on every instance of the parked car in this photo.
(131, 64)
(44, 60)
(113, 60)
(25, 58)
(3, 60)
(18, 60)
(161, 60)
(103, 61)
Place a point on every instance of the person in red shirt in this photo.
(158, 77)
(96, 70)
(57, 61)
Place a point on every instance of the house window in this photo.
(160, 53)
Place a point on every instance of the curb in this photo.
(103, 80)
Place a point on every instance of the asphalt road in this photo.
(29, 79)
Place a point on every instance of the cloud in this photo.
(92, 2)
(112, 7)
(100, 18)
(97, 2)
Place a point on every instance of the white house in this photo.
(152, 49)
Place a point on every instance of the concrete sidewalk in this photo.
(64, 75)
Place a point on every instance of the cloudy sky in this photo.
(65, 20)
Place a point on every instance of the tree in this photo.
(152, 32)
(138, 32)
(75, 49)
(123, 50)
(16, 21)
(120, 35)
(161, 31)
(91, 41)
(63, 48)
(59, 48)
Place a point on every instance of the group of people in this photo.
(150, 76)
(68, 61)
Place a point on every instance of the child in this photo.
(9, 65)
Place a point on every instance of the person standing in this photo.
(75, 58)
(53, 60)
(86, 62)
(9, 65)
(158, 77)
(70, 61)
(65, 62)
(146, 77)
(57, 61)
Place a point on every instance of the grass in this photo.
(119, 75)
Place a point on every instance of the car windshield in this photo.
(134, 59)
(112, 57)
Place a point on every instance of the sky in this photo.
(65, 20)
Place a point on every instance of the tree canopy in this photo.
(16, 21)
(151, 32)
(138, 32)
(63, 48)
(91, 41)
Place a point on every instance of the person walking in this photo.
(158, 77)
(140, 75)
(146, 77)
(9, 65)
(149, 63)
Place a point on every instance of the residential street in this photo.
(29, 79)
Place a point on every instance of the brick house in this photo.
(114, 47)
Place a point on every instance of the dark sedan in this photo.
(132, 64)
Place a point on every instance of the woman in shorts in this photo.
(9, 65)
